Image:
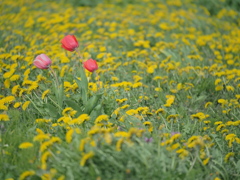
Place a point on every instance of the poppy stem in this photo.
(78, 52)
(98, 81)
(55, 76)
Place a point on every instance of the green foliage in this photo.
(214, 6)
(163, 104)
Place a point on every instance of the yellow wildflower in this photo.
(218, 122)
(9, 73)
(219, 127)
(175, 146)
(86, 157)
(84, 117)
(121, 100)
(80, 119)
(17, 104)
(170, 100)
(101, 118)
(25, 174)
(4, 117)
(62, 177)
(205, 162)
(231, 154)
(217, 81)
(158, 89)
(41, 137)
(68, 111)
(116, 112)
(8, 99)
(200, 116)
(94, 130)
(160, 110)
(44, 158)
(43, 120)
(15, 77)
(122, 134)
(198, 140)
(39, 131)
(82, 144)
(2, 106)
(25, 105)
(45, 93)
(206, 122)
(224, 131)
(131, 112)
(55, 139)
(208, 104)
(218, 88)
(230, 88)
(230, 136)
(114, 78)
(15, 89)
(69, 135)
(108, 138)
(119, 144)
(25, 145)
(182, 153)
(151, 69)
(125, 106)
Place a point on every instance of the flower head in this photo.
(90, 65)
(69, 43)
(25, 145)
(42, 61)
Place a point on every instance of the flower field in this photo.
(119, 90)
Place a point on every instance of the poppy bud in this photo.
(69, 43)
(42, 61)
(90, 65)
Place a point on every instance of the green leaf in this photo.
(84, 79)
(83, 89)
(60, 96)
(36, 177)
(79, 83)
(76, 97)
(74, 105)
(238, 166)
(92, 103)
(166, 53)
(96, 112)
(52, 110)
(59, 93)
(84, 96)
(69, 174)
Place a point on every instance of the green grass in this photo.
(163, 104)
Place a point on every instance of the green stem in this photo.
(98, 80)
(55, 103)
(55, 76)
(79, 54)
(37, 96)
(34, 105)
(58, 88)
(164, 122)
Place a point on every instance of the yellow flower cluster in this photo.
(163, 68)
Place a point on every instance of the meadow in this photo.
(163, 103)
